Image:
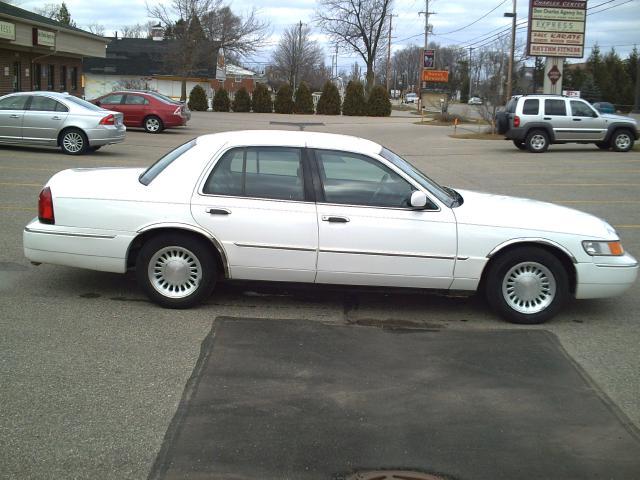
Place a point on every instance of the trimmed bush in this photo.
(261, 101)
(378, 104)
(221, 102)
(198, 99)
(329, 103)
(284, 99)
(354, 100)
(304, 100)
(241, 101)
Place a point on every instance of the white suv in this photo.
(534, 122)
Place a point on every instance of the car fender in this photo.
(616, 125)
(540, 126)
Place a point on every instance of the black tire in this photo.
(153, 124)
(622, 140)
(187, 251)
(520, 145)
(525, 263)
(73, 141)
(537, 141)
(603, 145)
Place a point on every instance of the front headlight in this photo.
(594, 248)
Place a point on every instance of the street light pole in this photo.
(513, 48)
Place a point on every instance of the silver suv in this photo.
(534, 122)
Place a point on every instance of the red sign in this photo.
(435, 76)
(554, 75)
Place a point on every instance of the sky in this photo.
(610, 22)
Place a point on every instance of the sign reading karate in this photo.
(557, 28)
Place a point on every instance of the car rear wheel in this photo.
(622, 141)
(603, 145)
(537, 141)
(73, 141)
(176, 271)
(527, 285)
(520, 144)
(153, 124)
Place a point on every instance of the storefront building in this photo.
(38, 53)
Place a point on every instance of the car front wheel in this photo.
(622, 141)
(527, 285)
(176, 270)
(537, 141)
(153, 124)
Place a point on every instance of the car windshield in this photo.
(154, 170)
(83, 103)
(442, 193)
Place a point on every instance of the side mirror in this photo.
(97, 103)
(418, 199)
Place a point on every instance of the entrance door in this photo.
(369, 234)
(256, 204)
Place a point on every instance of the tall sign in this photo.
(429, 59)
(557, 28)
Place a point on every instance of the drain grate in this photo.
(393, 475)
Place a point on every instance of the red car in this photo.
(146, 110)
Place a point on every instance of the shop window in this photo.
(50, 77)
(17, 77)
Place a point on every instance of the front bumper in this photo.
(606, 276)
(106, 135)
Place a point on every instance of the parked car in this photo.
(604, 107)
(185, 111)
(146, 110)
(320, 208)
(533, 122)
(475, 101)
(410, 98)
(58, 119)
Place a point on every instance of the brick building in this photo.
(38, 53)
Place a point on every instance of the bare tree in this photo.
(48, 10)
(237, 36)
(296, 56)
(358, 25)
(137, 30)
(95, 28)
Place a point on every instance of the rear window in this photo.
(531, 107)
(555, 107)
(154, 170)
(511, 106)
(82, 103)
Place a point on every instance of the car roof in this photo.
(288, 138)
(40, 93)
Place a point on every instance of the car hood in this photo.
(522, 213)
(611, 116)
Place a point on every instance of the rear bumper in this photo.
(106, 135)
(606, 276)
(76, 247)
(175, 121)
(515, 134)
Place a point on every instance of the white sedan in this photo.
(320, 208)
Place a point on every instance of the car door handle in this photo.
(333, 219)
(547, 118)
(56, 118)
(14, 116)
(218, 211)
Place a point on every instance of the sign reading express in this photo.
(556, 28)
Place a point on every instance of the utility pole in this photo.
(512, 53)
(426, 14)
(389, 53)
(636, 106)
(470, 76)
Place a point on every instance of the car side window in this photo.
(17, 102)
(555, 107)
(46, 104)
(353, 179)
(135, 100)
(112, 99)
(258, 172)
(581, 109)
(531, 106)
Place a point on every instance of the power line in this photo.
(609, 8)
(478, 19)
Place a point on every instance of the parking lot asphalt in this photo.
(92, 373)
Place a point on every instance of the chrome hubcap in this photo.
(529, 287)
(175, 272)
(538, 142)
(153, 125)
(73, 142)
(623, 141)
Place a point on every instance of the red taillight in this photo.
(108, 120)
(45, 206)
(516, 121)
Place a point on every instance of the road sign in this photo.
(435, 76)
(554, 74)
(557, 28)
(429, 59)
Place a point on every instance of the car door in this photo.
(12, 110)
(368, 233)
(590, 125)
(555, 113)
(43, 120)
(258, 205)
(133, 107)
